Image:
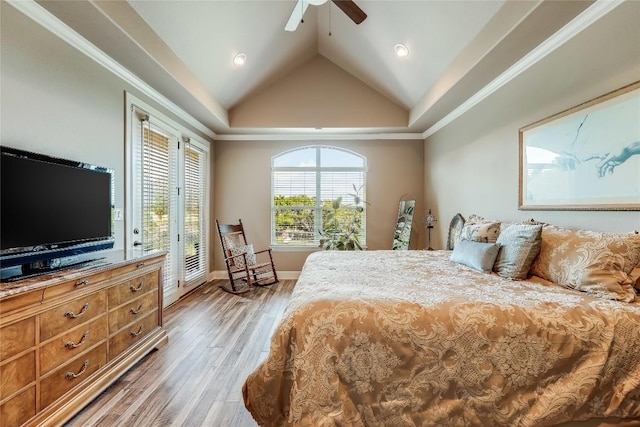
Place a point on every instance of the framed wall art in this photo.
(584, 158)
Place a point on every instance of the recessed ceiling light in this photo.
(239, 59)
(401, 50)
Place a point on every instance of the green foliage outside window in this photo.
(341, 223)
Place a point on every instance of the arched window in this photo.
(316, 190)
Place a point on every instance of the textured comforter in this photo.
(384, 338)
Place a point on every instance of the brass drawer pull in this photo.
(136, 289)
(140, 329)
(71, 344)
(140, 265)
(70, 375)
(71, 315)
(82, 282)
(136, 311)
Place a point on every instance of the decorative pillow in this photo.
(486, 232)
(519, 246)
(233, 240)
(238, 261)
(594, 262)
(477, 219)
(477, 255)
(533, 221)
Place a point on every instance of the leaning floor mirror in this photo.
(404, 224)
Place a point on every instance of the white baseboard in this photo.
(284, 275)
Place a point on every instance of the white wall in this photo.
(471, 166)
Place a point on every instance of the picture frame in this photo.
(584, 158)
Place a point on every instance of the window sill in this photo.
(299, 248)
(295, 248)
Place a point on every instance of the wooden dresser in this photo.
(66, 336)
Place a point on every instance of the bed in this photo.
(387, 338)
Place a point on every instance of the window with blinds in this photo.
(158, 207)
(167, 182)
(195, 242)
(306, 183)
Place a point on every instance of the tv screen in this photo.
(51, 207)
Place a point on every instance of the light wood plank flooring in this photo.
(215, 340)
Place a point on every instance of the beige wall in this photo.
(243, 189)
(318, 93)
(59, 102)
(471, 166)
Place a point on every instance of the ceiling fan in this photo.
(351, 9)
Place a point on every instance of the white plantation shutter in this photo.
(168, 187)
(301, 227)
(195, 216)
(302, 181)
(155, 178)
(160, 201)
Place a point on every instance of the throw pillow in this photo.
(486, 232)
(594, 262)
(233, 240)
(238, 259)
(477, 255)
(519, 246)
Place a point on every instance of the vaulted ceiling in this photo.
(330, 73)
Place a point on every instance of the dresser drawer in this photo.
(69, 286)
(17, 337)
(71, 314)
(132, 311)
(131, 334)
(17, 373)
(19, 408)
(73, 373)
(132, 289)
(67, 346)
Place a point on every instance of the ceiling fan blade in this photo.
(296, 15)
(352, 10)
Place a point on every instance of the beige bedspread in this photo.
(385, 338)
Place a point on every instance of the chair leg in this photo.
(273, 268)
(232, 288)
(266, 281)
(235, 290)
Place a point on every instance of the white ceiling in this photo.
(184, 49)
(206, 35)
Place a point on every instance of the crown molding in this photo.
(592, 14)
(318, 136)
(51, 23)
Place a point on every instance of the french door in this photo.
(169, 200)
(196, 169)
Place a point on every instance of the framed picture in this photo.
(584, 158)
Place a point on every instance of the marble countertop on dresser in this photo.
(100, 261)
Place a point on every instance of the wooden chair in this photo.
(242, 262)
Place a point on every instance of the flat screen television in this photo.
(51, 210)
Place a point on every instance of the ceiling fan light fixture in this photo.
(401, 50)
(239, 59)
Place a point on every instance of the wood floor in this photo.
(215, 340)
